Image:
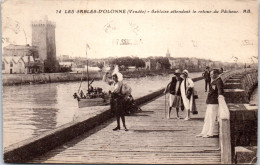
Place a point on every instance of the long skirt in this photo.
(188, 103)
(117, 106)
(210, 119)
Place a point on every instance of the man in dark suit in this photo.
(207, 78)
(216, 88)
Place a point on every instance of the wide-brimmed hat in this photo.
(186, 72)
(177, 71)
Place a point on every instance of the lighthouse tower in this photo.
(43, 36)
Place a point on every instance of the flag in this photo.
(87, 46)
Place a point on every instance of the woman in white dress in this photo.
(187, 86)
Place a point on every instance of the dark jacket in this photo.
(172, 87)
(206, 75)
(216, 88)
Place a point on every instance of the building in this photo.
(158, 66)
(202, 64)
(217, 64)
(92, 68)
(64, 58)
(172, 61)
(19, 65)
(85, 69)
(67, 64)
(194, 61)
(168, 55)
(150, 64)
(131, 68)
(210, 64)
(21, 59)
(43, 36)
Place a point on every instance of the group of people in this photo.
(181, 93)
(181, 96)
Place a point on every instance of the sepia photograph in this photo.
(129, 82)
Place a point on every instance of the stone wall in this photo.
(243, 117)
(238, 87)
(23, 79)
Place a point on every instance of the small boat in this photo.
(93, 96)
(92, 102)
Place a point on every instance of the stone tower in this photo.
(43, 36)
(168, 55)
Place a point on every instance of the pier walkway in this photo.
(151, 139)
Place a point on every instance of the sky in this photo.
(214, 36)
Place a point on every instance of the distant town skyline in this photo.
(218, 37)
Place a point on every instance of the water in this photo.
(33, 109)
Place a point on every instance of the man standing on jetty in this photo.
(207, 78)
(215, 90)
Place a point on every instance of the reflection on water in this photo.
(43, 119)
(33, 109)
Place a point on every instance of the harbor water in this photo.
(30, 110)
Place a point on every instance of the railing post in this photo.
(225, 141)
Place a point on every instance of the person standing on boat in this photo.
(117, 99)
(174, 89)
(187, 86)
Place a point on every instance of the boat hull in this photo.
(92, 102)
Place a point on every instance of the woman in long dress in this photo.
(187, 86)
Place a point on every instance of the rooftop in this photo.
(20, 47)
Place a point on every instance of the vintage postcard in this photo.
(138, 82)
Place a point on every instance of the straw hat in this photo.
(186, 72)
(177, 71)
